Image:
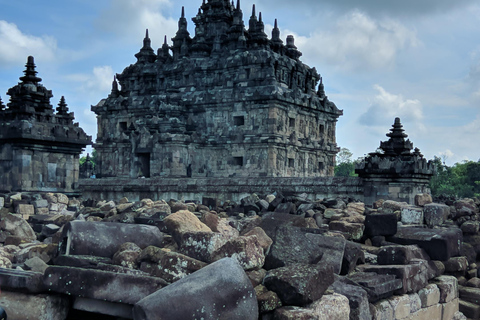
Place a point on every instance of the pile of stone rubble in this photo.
(271, 257)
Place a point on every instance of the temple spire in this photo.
(62, 107)
(114, 86)
(146, 53)
(238, 4)
(30, 73)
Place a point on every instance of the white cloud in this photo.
(16, 46)
(358, 43)
(130, 18)
(96, 84)
(387, 106)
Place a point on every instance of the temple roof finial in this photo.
(253, 11)
(238, 4)
(183, 12)
(260, 17)
(30, 73)
(62, 107)
(146, 34)
(275, 24)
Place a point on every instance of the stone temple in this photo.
(39, 148)
(226, 102)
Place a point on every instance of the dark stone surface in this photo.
(272, 220)
(414, 276)
(357, 299)
(221, 290)
(380, 224)
(21, 281)
(100, 285)
(352, 256)
(300, 245)
(377, 286)
(400, 254)
(299, 284)
(104, 238)
(439, 244)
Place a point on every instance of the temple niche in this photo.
(39, 148)
(394, 171)
(226, 102)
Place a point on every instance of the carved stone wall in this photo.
(228, 102)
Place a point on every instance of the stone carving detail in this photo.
(226, 102)
(39, 149)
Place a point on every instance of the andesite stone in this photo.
(220, 290)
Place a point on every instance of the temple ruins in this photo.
(39, 148)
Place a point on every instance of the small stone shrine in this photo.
(229, 102)
(39, 148)
(394, 172)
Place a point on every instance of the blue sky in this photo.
(418, 60)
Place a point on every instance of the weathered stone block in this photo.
(25, 209)
(448, 286)
(433, 312)
(439, 244)
(382, 310)
(469, 309)
(297, 245)
(423, 199)
(105, 238)
(470, 227)
(413, 276)
(267, 300)
(22, 306)
(400, 306)
(201, 245)
(456, 264)
(294, 313)
(412, 215)
(332, 306)
(380, 224)
(247, 250)
(429, 295)
(220, 290)
(357, 299)
(435, 214)
(168, 265)
(100, 285)
(184, 221)
(377, 286)
(449, 309)
(12, 225)
(299, 284)
(400, 254)
(22, 281)
(352, 231)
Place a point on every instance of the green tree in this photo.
(462, 180)
(345, 165)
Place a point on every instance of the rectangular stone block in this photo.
(100, 285)
(435, 213)
(384, 224)
(22, 281)
(431, 313)
(429, 295)
(22, 306)
(41, 203)
(412, 215)
(469, 309)
(439, 244)
(25, 209)
(382, 310)
(400, 306)
(2, 202)
(377, 286)
(414, 276)
(448, 286)
(449, 309)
